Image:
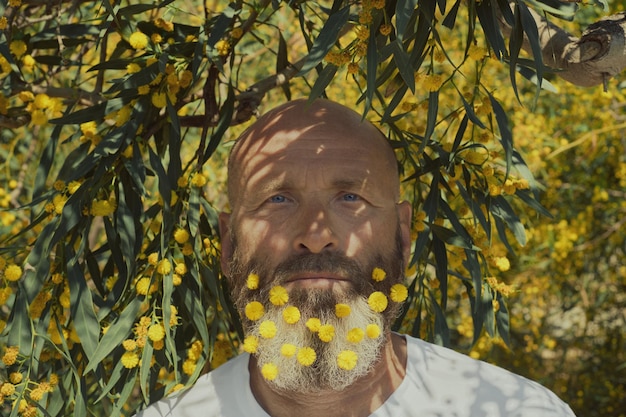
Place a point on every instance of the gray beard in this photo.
(324, 374)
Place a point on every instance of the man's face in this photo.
(314, 211)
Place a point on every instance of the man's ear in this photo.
(405, 212)
(226, 241)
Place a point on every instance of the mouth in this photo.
(316, 280)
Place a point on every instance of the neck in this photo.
(361, 398)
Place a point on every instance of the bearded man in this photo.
(314, 249)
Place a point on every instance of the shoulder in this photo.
(453, 377)
(209, 396)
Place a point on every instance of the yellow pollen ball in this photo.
(156, 332)
(378, 274)
(288, 350)
(278, 296)
(398, 293)
(267, 329)
(291, 314)
(269, 371)
(313, 324)
(250, 344)
(377, 301)
(130, 360)
(254, 310)
(306, 356)
(326, 333)
(372, 331)
(355, 335)
(347, 360)
(342, 310)
(252, 282)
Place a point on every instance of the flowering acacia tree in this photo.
(115, 112)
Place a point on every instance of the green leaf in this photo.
(95, 112)
(118, 331)
(503, 320)
(404, 12)
(488, 20)
(506, 136)
(442, 332)
(403, 63)
(503, 210)
(326, 39)
(450, 18)
(532, 34)
(20, 332)
(325, 77)
(441, 264)
(82, 310)
(516, 39)
(431, 118)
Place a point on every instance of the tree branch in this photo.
(598, 55)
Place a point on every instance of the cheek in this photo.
(359, 239)
(261, 238)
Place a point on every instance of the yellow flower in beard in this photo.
(372, 331)
(291, 314)
(267, 329)
(342, 310)
(278, 296)
(288, 350)
(313, 325)
(377, 301)
(398, 293)
(253, 282)
(378, 274)
(269, 371)
(250, 344)
(326, 333)
(355, 335)
(347, 360)
(306, 356)
(254, 310)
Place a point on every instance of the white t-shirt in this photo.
(438, 382)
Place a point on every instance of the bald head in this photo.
(299, 129)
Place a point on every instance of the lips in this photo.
(312, 280)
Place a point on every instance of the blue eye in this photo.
(350, 197)
(277, 199)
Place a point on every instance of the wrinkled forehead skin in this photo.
(310, 133)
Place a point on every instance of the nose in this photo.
(315, 233)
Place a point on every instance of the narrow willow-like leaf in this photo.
(226, 116)
(532, 34)
(438, 249)
(431, 118)
(404, 11)
(404, 65)
(165, 188)
(450, 18)
(503, 320)
(486, 309)
(516, 39)
(326, 39)
(20, 333)
(485, 11)
(325, 77)
(506, 136)
(222, 24)
(441, 330)
(503, 210)
(118, 331)
(82, 310)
